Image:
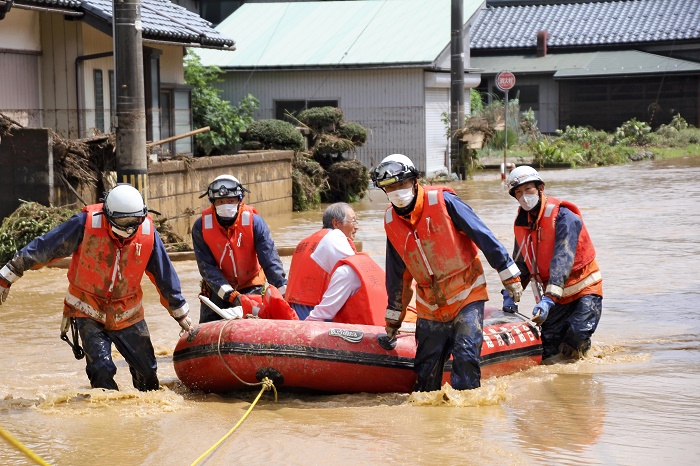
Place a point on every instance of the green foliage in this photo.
(29, 221)
(321, 118)
(475, 102)
(678, 122)
(498, 141)
(348, 181)
(208, 109)
(546, 151)
(528, 123)
(272, 134)
(355, 132)
(632, 132)
(308, 180)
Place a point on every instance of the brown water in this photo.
(634, 400)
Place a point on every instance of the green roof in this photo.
(336, 34)
(590, 64)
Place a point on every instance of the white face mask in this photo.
(529, 201)
(122, 233)
(401, 197)
(227, 210)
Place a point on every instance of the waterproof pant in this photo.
(569, 327)
(134, 343)
(462, 338)
(207, 315)
(302, 310)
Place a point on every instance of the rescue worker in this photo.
(356, 293)
(112, 245)
(434, 238)
(234, 249)
(307, 279)
(556, 256)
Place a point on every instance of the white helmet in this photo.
(393, 169)
(521, 175)
(124, 208)
(225, 186)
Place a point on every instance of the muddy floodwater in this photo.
(634, 400)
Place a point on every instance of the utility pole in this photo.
(457, 78)
(131, 110)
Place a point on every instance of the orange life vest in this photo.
(307, 280)
(442, 260)
(368, 305)
(537, 248)
(105, 274)
(234, 247)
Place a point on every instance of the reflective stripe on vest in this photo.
(105, 273)
(233, 248)
(443, 261)
(537, 248)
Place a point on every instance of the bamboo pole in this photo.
(174, 138)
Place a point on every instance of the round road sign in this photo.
(505, 80)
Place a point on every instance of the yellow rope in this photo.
(17, 444)
(267, 384)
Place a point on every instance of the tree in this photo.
(208, 109)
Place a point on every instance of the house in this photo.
(594, 63)
(57, 65)
(386, 64)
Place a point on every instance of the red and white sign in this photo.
(505, 80)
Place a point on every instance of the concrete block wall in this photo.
(174, 186)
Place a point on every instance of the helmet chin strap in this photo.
(121, 233)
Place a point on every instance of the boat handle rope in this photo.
(221, 356)
(27, 452)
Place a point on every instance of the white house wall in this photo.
(20, 52)
(388, 102)
(60, 44)
(20, 31)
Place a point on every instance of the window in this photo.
(99, 101)
(282, 107)
(112, 100)
(529, 96)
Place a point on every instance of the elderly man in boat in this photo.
(236, 256)
(329, 280)
(434, 237)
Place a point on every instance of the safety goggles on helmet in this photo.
(388, 173)
(128, 223)
(220, 189)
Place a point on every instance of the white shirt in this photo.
(344, 282)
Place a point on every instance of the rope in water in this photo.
(266, 385)
(17, 444)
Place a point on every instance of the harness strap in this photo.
(75, 346)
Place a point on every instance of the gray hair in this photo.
(336, 211)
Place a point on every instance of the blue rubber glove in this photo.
(541, 310)
(508, 303)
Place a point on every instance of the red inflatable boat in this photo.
(331, 357)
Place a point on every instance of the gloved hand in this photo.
(541, 310)
(233, 297)
(514, 288)
(185, 322)
(508, 303)
(391, 332)
(4, 289)
(393, 320)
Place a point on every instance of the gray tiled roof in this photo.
(162, 20)
(587, 24)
